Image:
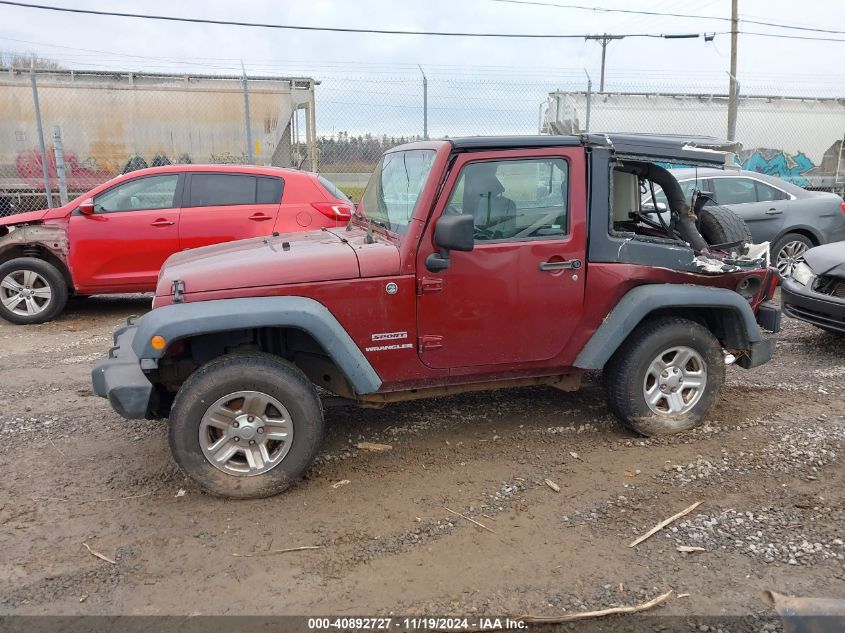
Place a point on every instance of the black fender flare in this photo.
(637, 303)
(182, 320)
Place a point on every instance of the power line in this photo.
(336, 29)
(668, 14)
(791, 37)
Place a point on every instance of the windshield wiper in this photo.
(370, 221)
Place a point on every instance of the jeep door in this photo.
(518, 296)
(221, 207)
(134, 228)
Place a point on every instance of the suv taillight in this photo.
(771, 285)
(334, 210)
(842, 206)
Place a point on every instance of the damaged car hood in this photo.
(284, 259)
(828, 259)
(23, 218)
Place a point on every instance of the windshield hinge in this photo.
(177, 289)
(429, 284)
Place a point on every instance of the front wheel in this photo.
(31, 291)
(665, 377)
(246, 425)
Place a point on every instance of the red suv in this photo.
(470, 264)
(116, 237)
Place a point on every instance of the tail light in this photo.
(335, 210)
(842, 206)
(771, 285)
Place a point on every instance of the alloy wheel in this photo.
(246, 433)
(25, 292)
(675, 381)
(790, 256)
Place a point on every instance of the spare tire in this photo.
(719, 225)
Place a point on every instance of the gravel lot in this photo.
(768, 468)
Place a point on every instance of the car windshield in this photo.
(394, 188)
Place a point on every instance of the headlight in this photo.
(802, 273)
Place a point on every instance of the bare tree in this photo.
(14, 59)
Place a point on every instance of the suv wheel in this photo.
(246, 425)
(665, 376)
(31, 291)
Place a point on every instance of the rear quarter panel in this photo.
(822, 213)
(296, 212)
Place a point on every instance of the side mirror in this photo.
(455, 232)
(451, 233)
(86, 207)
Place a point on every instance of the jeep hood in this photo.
(325, 255)
(828, 259)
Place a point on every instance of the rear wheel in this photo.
(31, 291)
(789, 251)
(665, 377)
(246, 425)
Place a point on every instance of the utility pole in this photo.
(732, 92)
(604, 40)
(249, 148)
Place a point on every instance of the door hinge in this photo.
(429, 342)
(429, 284)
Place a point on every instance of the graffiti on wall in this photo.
(794, 168)
(82, 174)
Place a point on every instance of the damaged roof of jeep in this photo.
(689, 149)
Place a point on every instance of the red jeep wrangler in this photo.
(470, 264)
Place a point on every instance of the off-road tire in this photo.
(719, 225)
(254, 371)
(55, 281)
(625, 374)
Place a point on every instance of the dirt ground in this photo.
(768, 468)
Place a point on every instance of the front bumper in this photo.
(119, 377)
(799, 302)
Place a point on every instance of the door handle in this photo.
(259, 217)
(569, 264)
(774, 211)
(162, 222)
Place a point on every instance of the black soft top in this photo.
(660, 147)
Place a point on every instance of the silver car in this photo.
(792, 219)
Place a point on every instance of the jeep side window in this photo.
(152, 192)
(514, 199)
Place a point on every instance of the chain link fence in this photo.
(96, 125)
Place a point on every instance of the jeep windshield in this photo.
(394, 188)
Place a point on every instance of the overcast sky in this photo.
(766, 65)
(263, 49)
